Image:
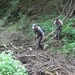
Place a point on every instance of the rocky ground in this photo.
(41, 62)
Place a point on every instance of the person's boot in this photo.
(41, 47)
(36, 49)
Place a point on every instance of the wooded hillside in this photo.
(17, 37)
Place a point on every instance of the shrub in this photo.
(68, 30)
(10, 66)
(69, 48)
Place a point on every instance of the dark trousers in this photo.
(58, 31)
(38, 43)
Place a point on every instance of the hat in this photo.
(33, 26)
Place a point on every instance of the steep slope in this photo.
(17, 16)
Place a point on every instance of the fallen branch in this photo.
(13, 46)
(50, 42)
(49, 34)
(25, 55)
(60, 66)
(49, 72)
(53, 37)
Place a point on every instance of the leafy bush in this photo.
(68, 30)
(68, 36)
(69, 48)
(47, 25)
(10, 66)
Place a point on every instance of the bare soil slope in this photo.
(37, 62)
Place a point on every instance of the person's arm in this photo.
(54, 22)
(61, 22)
(39, 28)
(43, 35)
(35, 34)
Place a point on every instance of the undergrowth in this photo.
(67, 34)
(45, 21)
(10, 66)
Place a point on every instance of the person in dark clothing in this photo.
(39, 34)
(59, 24)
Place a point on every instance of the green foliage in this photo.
(68, 31)
(69, 47)
(23, 23)
(68, 36)
(10, 66)
(1, 11)
(45, 22)
(47, 25)
(13, 2)
(2, 22)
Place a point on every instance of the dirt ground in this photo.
(41, 62)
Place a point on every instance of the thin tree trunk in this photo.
(64, 7)
(72, 10)
(69, 12)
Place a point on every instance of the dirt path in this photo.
(43, 62)
(37, 62)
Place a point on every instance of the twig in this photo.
(13, 46)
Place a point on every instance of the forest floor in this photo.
(41, 62)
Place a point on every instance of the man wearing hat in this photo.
(39, 34)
